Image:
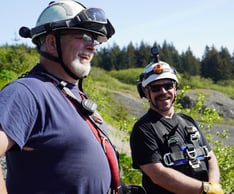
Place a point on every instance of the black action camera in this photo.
(155, 53)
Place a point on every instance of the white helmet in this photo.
(69, 15)
(156, 71)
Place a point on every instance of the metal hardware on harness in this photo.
(194, 163)
(191, 152)
(172, 141)
(167, 159)
(89, 106)
(103, 142)
(206, 151)
(193, 132)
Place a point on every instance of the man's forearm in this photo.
(214, 173)
(171, 179)
(3, 189)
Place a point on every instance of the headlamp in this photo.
(157, 69)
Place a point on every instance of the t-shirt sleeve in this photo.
(18, 112)
(144, 147)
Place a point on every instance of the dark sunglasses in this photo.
(157, 87)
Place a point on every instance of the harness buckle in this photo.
(167, 159)
(191, 153)
(103, 142)
(206, 152)
(194, 163)
(194, 134)
(194, 137)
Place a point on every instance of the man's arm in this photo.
(177, 182)
(171, 179)
(214, 173)
(5, 144)
(2, 183)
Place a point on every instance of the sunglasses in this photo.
(88, 39)
(157, 87)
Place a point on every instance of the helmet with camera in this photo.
(154, 71)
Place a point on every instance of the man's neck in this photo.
(57, 70)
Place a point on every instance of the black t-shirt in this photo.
(148, 141)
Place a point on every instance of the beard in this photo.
(163, 102)
(81, 70)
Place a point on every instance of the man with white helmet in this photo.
(45, 119)
(169, 148)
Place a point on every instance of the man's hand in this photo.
(212, 188)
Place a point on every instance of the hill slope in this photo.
(221, 102)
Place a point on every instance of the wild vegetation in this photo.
(15, 60)
(102, 83)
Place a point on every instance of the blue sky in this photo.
(183, 23)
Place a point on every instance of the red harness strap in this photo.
(110, 154)
(105, 143)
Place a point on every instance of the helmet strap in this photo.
(59, 50)
(60, 58)
(49, 56)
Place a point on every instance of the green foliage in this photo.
(6, 76)
(225, 156)
(117, 115)
(128, 76)
(224, 153)
(216, 65)
(129, 175)
(18, 59)
(102, 86)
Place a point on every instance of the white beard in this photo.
(79, 69)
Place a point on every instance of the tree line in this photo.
(215, 64)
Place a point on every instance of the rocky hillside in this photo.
(221, 102)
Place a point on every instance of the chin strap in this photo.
(68, 71)
(50, 57)
(80, 85)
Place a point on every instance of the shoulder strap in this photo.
(88, 110)
(184, 117)
(194, 135)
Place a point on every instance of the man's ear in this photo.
(50, 41)
(146, 92)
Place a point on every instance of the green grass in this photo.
(100, 86)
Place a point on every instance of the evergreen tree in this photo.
(115, 57)
(211, 64)
(169, 54)
(190, 64)
(105, 63)
(130, 54)
(225, 68)
(232, 62)
(143, 55)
